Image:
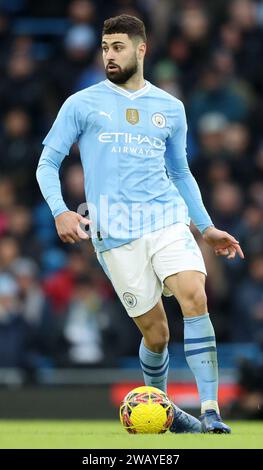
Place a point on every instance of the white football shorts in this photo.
(138, 269)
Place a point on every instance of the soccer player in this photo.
(139, 189)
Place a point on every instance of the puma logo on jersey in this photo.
(108, 115)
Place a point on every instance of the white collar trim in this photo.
(130, 95)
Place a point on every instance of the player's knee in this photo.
(158, 345)
(195, 302)
(157, 338)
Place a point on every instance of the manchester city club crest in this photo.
(132, 116)
(129, 299)
(158, 120)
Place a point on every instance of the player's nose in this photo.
(110, 55)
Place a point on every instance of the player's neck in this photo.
(134, 83)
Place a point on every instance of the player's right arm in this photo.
(64, 132)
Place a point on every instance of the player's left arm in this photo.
(179, 172)
(222, 242)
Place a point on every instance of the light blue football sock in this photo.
(201, 356)
(154, 366)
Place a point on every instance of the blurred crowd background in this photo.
(57, 308)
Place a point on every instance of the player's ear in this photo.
(141, 50)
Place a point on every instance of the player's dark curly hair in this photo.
(128, 24)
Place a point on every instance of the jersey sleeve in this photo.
(48, 179)
(67, 127)
(179, 172)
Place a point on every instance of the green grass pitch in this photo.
(110, 435)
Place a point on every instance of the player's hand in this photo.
(223, 243)
(68, 227)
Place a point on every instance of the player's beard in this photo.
(121, 76)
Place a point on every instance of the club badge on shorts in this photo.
(129, 299)
(132, 116)
(158, 120)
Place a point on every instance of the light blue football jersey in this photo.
(133, 151)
